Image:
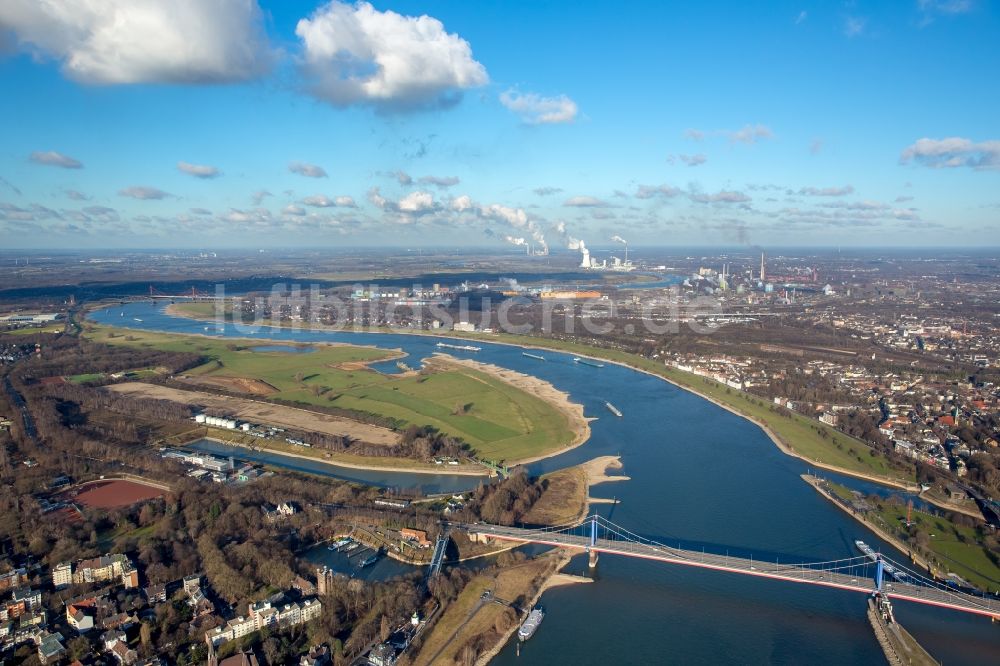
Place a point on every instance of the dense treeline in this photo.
(505, 502)
(66, 355)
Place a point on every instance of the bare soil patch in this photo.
(257, 411)
(239, 384)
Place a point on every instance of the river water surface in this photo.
(700, 477)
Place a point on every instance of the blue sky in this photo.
(166, 123)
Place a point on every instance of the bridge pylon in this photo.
(592, 560)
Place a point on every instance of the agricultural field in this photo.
(498, 420)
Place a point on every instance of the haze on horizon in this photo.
(238, 123)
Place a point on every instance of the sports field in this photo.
(115, 493)
(497, 419)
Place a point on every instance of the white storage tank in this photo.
(199, 418)
(245, 427)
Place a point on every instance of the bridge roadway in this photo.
(959, 601)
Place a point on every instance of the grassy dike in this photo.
(795, 434)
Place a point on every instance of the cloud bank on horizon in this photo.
(316, 120)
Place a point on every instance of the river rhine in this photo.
(700, 476)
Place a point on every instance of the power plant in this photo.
(589, 263)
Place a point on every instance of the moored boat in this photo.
(530, 625)
(445, 345)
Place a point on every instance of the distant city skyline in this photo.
(180, 123)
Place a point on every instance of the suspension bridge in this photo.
(596, 535)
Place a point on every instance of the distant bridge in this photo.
(596, 534)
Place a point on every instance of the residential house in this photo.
(50, 647)
(62, 575)
(80, 614)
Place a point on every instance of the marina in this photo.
(368, 561)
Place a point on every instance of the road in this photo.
(968, 603)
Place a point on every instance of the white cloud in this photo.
(152, 41)
(547, 191)
(323, 201)
(953, 152)
(461, 204)
(319, 201)
(143, 192)
(750, 134)
(439, 181)
(416, 202)
(355, 54)
(102, 213)
(52, 158)
(854, 25)
(746, 134)
(725, 196)
(292, 209)
(198, 170)
(932, 8)
(537, 110)
(259, 196)
(376, 198)
(650, 191)
(827, 191)
(801, 18)
(691, 160)
(76, 195)
(308, 170)
(585, 202)
(402, 178)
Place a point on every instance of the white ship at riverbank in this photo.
(531, 624)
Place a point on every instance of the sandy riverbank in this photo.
(595, 472)
(539, 388)
(555, 579)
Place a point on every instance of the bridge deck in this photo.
(789, 572)
(437, 559)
